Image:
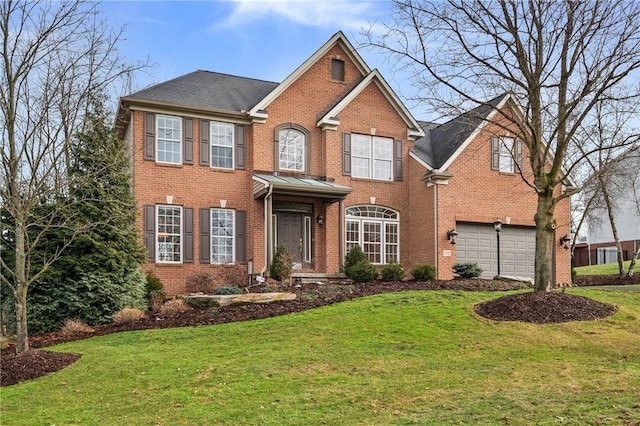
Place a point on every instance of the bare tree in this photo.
(560, 59)
(635, 197)
(57, 57)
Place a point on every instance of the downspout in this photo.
(267, 226)
(435, 224)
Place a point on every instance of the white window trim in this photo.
(233, 143)
(157, 136)
(372, 158)
(158, 260)
(383, 222)
(233, 236)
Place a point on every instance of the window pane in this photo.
(372, 241)
(169, 234)
(222, 236)
(291, 144)
(221, 145)
(168, 139)
(506, 157)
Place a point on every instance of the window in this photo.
(169, 234)
(337, 69)
(222, 145)
(371, 157)
(169, 138)
(222, 236)
(506, 155)
(291, 148)
(376, 230)
(606, 255)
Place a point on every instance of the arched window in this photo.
(292, 148)
(377, 230)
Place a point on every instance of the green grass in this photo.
(603, 269)
(406, 358)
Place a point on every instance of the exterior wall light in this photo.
(565, 241)
(451, 235)
(320, 219)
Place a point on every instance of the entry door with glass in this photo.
(290, 235)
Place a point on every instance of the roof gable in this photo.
(330, 120)
(259, 110)
(443, 143)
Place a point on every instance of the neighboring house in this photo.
(226, 168)
(599, 245)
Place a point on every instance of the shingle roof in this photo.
(442, 141)
(211, 90)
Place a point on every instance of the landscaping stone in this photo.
(199, 300)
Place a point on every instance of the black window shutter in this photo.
(149, 136)
(187, 142)
(187, 256)
(205, 236)
(205, 144)
(241, 235)
(240, 150)
(397, 160)
(346, 154)
(495, 153)
(519, 156)
(150, 232)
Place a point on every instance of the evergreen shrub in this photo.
(281, 265)
(363, 272)
(392, 272)
(424, 272)
(467, 269)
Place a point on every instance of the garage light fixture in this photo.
(565, 241)
(451, 235)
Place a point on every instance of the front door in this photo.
(290, 235)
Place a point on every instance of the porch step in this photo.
(310, 277)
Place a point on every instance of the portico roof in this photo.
(290, 185)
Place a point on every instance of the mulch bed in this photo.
(536, 308)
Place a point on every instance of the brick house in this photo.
(226, 168)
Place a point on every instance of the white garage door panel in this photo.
(477, 243)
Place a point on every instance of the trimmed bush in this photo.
(363, 272)
(204, 282)
(174, 307)
(127, 315)
(392, 272)
(227, 290)
(281, 265)
(355, 256)
(424, 272)
(467, 269)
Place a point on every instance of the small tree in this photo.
(281, 265)
(353, 257)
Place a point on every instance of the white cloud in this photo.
(344, 14)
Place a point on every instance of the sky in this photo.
(263, 39)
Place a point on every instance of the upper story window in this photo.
(169, 234)
(168, 139)
(292, 148)
(376, 230)
(337, 69)
(222, 145)
(371, 157)
(506, 154)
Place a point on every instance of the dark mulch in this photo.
(34, 363)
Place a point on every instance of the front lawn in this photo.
(603, 269)
(417, 357)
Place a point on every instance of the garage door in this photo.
(477, 243)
